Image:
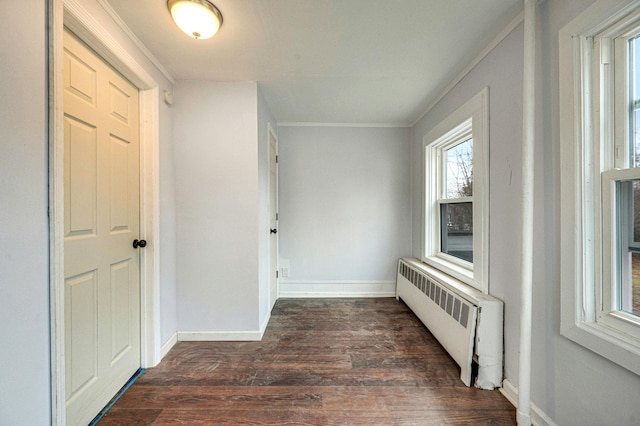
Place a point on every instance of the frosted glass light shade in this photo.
(196, 18)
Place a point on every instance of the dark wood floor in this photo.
(321, 361)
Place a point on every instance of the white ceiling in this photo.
(329, 61)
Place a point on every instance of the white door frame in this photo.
(71, 14)
(271, 132)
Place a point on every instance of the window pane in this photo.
(629, 213)
(457, 230)
(634, 94)
(629, 199)
(634, 46)
(629, 246)
(631, 295)
(459, 170)
(635, 134)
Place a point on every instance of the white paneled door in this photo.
(102, 218)
(273, 219)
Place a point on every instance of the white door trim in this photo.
(71, 14)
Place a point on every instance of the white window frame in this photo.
(592, 126)
(439, 148)
(471, 120)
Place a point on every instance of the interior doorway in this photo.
(273, 218)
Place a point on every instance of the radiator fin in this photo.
(448, 302)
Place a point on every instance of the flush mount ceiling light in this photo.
(197, 18)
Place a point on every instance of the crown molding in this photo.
(139, 44)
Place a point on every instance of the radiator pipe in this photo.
(528, 139)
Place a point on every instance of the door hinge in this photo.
(276, 216)
(276, 159)
(276, 274)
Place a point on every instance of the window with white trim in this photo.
(456, 193)
(600, 146)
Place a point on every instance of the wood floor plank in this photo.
(328, 417)
(395, 398)
(358, 377)
(241, 397)
(325, 417)
(132, 417)
(321, 362)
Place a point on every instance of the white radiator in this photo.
(466, 322)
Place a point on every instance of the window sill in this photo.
(606, 342)
(456, 271)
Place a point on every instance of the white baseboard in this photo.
(223, 336)
(264, 325)
(538, 417)
(219, 336)
(166, 346)
(310, 289)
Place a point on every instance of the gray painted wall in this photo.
(24, 254)
(216, 159)
(222, 181)
(168, 281)
(344, 202)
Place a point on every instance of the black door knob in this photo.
(274, 231)
(139, 243)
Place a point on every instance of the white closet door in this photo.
(102, 218)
